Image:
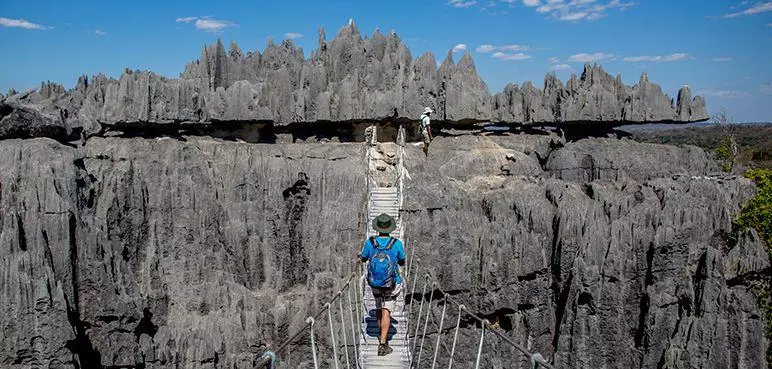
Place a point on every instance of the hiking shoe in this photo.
(384, 349)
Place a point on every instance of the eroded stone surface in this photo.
(348, 78)
(198, 253)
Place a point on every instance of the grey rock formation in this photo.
(594, 97)
(628, 262)
(348, 78)
(117, 259)
(199, 253)
(192, 252)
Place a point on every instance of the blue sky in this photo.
(721, 48)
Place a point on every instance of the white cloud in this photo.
(293, 35)
(595, 16)
(573, 16)
(99, 32)
(576, 10)
(724, 94)
(514, 48)
(643, 58)
(553, 60)
(677, 57)
(586, 58)
(461, 3)
(769, 24)
(19, 23)
(485, 48)
(756, 9)
(213, 25)
(559, 67)
(560, 10)
(579, 10)
(659, 58)
(185, 19)
(459, 47)
(207, 23)
(766, 89)
(508, 56)
(722, 59)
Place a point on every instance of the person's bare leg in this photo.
(378, 320)
(384, 322)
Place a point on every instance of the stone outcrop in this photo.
(610, 254)
(595, 97)
(200, 253)
(348, 78)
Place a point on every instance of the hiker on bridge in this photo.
(426, 128)
(384, 253)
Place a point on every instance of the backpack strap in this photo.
(391, 243)
(376, 245)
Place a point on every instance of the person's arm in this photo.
(364, 256)
(429, 127)
(401, 254)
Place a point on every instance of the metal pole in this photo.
(455, 336)
(439, 333)
(311, 321)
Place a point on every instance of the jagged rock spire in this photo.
(351, 78)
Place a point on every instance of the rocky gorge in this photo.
(150, 222)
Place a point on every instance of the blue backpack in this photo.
(381, 273)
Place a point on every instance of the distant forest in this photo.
(754, 141)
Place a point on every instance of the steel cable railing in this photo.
(269, 357)
(356, 312)
(536, 359)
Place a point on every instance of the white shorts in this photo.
(386, 298)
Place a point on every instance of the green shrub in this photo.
(726, 152)
(757, 214)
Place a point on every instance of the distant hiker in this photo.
(426, 128)
(384, 254)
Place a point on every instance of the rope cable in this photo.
(310, 322)
(479, 348)
(426, 324)
(439, 334)
(455, 335)
(353, 328)
(343, 331)
(332, 336)
(420, 311)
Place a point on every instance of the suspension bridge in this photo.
(352, 329)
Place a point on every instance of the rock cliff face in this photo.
(609, 254)
(198, 253)
(186, 251)
(349, 78)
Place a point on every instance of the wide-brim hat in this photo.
(384, 223)
(428, 110)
